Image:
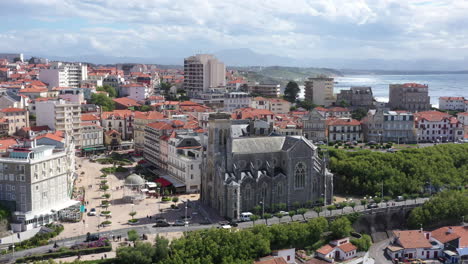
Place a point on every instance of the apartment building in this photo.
(435, 126)
(385, 126)
(92, 137)
(16, 118)
(37, 180)
(62, 116)
(319, 90)
(202, 72)
(12, 57)
(120, 121)
(135, 91)
(413, 97)
(279, 106)
(261, 103)
(236, 100)
(72, 95)
(266, 90)
(185, 160)
(142, 119)
(61, 74)
(452, 103)
(315, 126)
(344, 129)
(356, 97)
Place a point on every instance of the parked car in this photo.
(400, 198)
(372, 205)
(161, 223)
(91, 237)
(180, 222)
(92, 212)
(283, 213)
(233, 223)
(245, 216)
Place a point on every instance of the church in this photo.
(245, 165)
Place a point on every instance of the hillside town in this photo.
(179, 149)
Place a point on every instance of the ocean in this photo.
(439, 84)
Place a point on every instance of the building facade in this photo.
(184, 160)
(452, 103)
(315, 126)
(344, 129)
(319, 90)
(61, 74)
(435, 126)
(413, 97)
(266, 90)
(135, 91)
(202, 72)
(140, 122)
(356, 97)
(16, 118)
(37, 181)
(385, 126)
(236, 100)
(243, 172)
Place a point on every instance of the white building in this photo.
(136, 91)
(92, 136)
(38, 180)
(435, 126)
(236, 100)
(73, 95)
(202, 72)
(11, 57)
(184, 160)
(64, 74)
(279, 106)
(62, 116)
(452, 103)
(260, 103)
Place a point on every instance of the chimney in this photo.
(449, 230)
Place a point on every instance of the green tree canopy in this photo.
(306, 104)
(291, 91)
(109, 89)
(104, 101)
(341, 227)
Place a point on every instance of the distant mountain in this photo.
(248, 57)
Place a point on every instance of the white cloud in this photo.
(297, 28)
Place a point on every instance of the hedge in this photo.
(65, 253)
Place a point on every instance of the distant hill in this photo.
(282, 75)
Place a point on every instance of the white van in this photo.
(245, 216)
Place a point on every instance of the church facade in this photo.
(243, 170)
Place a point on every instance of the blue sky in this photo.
(388, 29)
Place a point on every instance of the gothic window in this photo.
(299, 175)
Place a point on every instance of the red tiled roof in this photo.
(112, 131)
(412, 239)
(117, 113)
(126, 101)
(272, 260)
(51, 136)
(347, 247)
(33, 90)
(160, 126)
(338, 109)
(431, 116)
(6, 143)
(325, 249)
(89, 117)
(150, 115)
(444, 236)
(414, 85)
(343, 122)
(12, 109)
(452, 98)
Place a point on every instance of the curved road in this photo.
(149, 229)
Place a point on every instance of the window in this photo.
(299, 175)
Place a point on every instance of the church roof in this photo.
(266, 144)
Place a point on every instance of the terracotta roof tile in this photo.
(412, 239)
(12, 109)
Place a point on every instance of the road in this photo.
(376, 252)
(149, 229)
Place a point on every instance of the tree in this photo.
(279, 216)
(104, 101)
(318, 210)
(302, 211)
(291, 214)
(104, 187)
(106, 195)
(341, 227)
(161, 248)
(254, 218)
(291, 91)
(358, 114)
(364, 202)
(145, 108)
(306, 104)
(108, 89)
(296, 205)
(142, 253)
(352, 205)
(266, 216)
(343, 103)
(132, 214)
(257, 209)
(175, 199)
(363, 243)
(133, 235)
(343, 205)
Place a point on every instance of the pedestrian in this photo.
(113, 238)
(105, 255)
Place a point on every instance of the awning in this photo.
(94, 149)
(151, 191)
(144, 190)
(174, 181)
(151, 184)
(163, 182)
